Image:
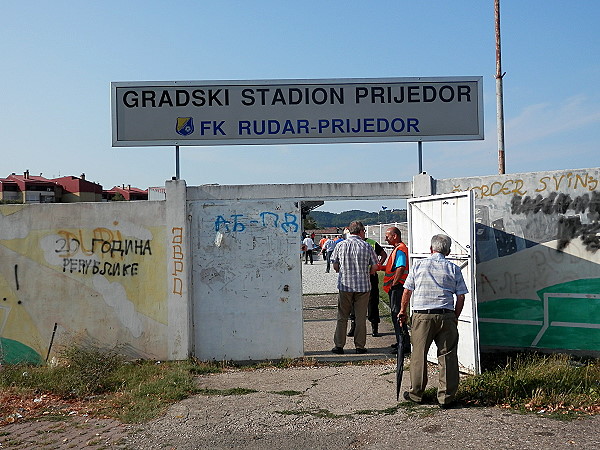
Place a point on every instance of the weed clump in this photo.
(550, 383)
(99, 381)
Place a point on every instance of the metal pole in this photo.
(177, 162)
(420, 157)
(499, 95)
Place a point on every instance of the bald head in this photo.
(393, 236)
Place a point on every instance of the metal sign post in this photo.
(177, 162)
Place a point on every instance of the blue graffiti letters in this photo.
(236, 223)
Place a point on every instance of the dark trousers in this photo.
(395, 299)
(373, 307)
(308, 254)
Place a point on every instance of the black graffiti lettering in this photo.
(77, 265)
(556, 203)
(570, 228)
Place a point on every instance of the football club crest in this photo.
(185, 126)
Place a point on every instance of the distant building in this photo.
(157, 193)
(79, 189)
(128, 192)
(29, 188)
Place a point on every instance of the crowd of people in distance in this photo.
(434, 284)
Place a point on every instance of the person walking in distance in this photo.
(432, 284)
(329, 246)
(309, 245)
(354, 260)
(322, 247)
(396, 271)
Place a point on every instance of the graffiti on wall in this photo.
(569, 210)
(537, 260)
(100, 279)
(236, 223)
(519, 186)
(177, 260)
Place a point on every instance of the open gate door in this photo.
(453, 215)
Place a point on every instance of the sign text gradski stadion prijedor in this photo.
(296, 111)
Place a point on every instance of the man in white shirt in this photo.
(308, 253)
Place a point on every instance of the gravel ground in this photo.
(315, 280)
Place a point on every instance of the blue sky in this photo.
(60, 57)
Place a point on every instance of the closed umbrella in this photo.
(399, 364)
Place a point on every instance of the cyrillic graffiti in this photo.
(104, 243)
(85, 266)
(547, 183)
(177, 246)
(238, 222)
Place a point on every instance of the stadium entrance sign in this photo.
(296, 111)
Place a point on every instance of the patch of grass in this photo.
(97, 382)
(232, 391)
(551, 384)
(287, 393)
(325, 413)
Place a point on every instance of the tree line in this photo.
(324, 219)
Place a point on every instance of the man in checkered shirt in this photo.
(354, 260)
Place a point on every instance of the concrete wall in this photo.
(211, 270)
(247, 293)
(538, 272)
(99, 272)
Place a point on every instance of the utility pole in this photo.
(499, 94)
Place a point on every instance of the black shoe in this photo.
(394, 345)
(375, 328)
(450, 405)
(338, 350)
(406, 396)
(394, 351)
(361, 350)
(407, 350)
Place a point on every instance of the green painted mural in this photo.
(537, 242)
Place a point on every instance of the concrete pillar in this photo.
(422, 185)
(179, 271)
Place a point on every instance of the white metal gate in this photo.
(453, 215)
(246, 288)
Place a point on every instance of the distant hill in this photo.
(326, 219)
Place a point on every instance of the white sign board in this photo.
(296, 111)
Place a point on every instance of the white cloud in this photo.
(544, 120)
